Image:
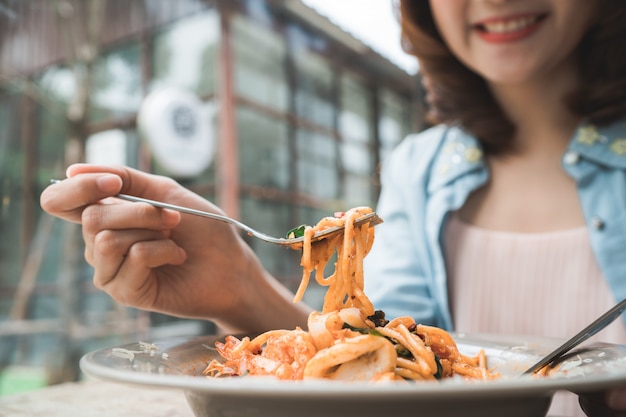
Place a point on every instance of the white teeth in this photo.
(509, 25)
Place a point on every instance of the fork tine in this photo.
(372, 218)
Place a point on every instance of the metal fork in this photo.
(294, 243)
(598, 324)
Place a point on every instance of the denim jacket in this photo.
(429, 175)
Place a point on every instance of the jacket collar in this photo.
(604, 145)
(460, 153)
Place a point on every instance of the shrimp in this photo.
(280, 353)
(439, 341)
(453, 361)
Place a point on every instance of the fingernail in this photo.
(109, 183)
(68, 171)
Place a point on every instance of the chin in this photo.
(514, 76)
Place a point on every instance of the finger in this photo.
(141, 184)
(99, 217)
(595, 405)
(68, 198)
(107, 249)
(135, 282)
(134, 182)
(617, 400)
(87, 184)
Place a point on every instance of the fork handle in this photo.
(186, 210)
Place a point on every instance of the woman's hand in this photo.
(605, 404)
(161, 260)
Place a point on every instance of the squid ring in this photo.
(358, 358)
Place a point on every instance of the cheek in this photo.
(576, 16)
(459, 43)
(453, 33)
(449, 16)
(572, 32)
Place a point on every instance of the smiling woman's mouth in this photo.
(509, 29)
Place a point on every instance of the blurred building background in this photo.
(301, 114)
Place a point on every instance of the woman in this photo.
(519, 88)
(516, 200)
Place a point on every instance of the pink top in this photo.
(543, 284)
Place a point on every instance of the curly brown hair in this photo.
(458, 95)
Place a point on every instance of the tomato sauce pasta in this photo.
(348, 339)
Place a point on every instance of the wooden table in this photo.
(96, 399)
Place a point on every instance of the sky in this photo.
(371, 21)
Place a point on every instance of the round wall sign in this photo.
(177, 126)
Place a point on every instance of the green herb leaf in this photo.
(439, 373)
(365, 330)
(403, 352)
(296, 232)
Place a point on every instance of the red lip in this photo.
(508, 36)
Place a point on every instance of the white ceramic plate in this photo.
(178, 363)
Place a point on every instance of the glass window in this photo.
(185, 55)
(263, 150)
(358, 190)
(357, 152)
(113, 147)
(117, 87)
(106, 148)
(272, 218)
(11, 204)
(260, 73)
(355, 121)
(317, 165)
(58, 84)
(394, 121)
(314, 89)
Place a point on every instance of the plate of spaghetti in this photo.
(353, 361)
